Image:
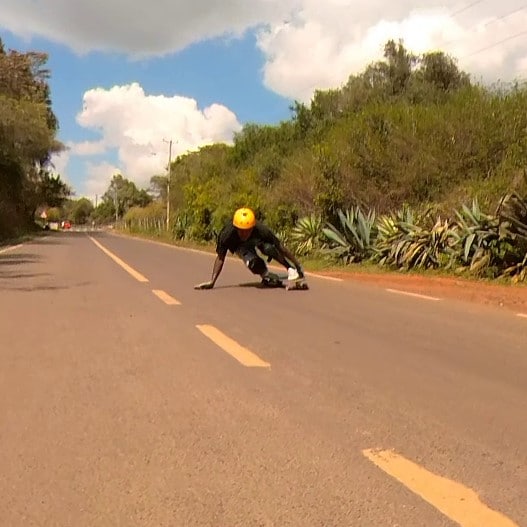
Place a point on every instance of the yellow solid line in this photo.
(241, 354)
(457, 502)
(116, 259)
(165, 297)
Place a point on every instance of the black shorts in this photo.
(251, 259)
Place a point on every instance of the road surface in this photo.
(130, 399)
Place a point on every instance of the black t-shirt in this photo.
(228, 239)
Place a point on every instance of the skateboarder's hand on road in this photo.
(204, 285)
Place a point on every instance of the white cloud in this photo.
(60, 162)
(137, 125)
(307, 44)
(327, 41)
(140, 28)
(98, 179)
(87, 148)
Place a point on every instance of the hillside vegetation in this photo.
(28, 129)
(409, 164)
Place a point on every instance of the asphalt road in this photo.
(127, 398)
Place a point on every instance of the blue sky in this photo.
(233, 78)
(126, 76)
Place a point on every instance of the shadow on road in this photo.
(10, 272)
(12, 275)
(19, 258)
(44, 287)
(255, 285)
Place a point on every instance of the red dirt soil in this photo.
(513, 297)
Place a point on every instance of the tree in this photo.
(27, 136)
(124, 195)
(158, 187)
(400, 65)
(441, 70)
(81, 211)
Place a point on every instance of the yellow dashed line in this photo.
(166, 298)
(241, 354)
(116, 259)
(459, 503)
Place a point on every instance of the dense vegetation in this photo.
(28, 131)
(408, 164)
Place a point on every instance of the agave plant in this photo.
(415, 246)
(355, 239)
(306, 235)
(483, 243)
(517, 272)
(389, 229)
(285, 236)
(512, 210)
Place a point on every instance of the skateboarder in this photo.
(242, 236)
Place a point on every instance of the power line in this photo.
(495, 44)
(506, 15)
(476, 2)
(486, 24)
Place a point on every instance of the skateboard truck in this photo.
(298, 283)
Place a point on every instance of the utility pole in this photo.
(116, 205)
(168, 180)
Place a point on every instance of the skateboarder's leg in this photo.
(273, 253)
(257, 266)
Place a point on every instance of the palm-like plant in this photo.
(355, 239)
(482, 241)
(407, 244)
(306, 235)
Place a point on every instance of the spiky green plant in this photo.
(408, 245)
(354, 240)
(483, 243)
(306, 235)
(284, 235)
(389, 230)
(517, 272)
(512, 209)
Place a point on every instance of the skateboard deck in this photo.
(289, 285)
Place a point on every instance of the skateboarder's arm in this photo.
(218, 266)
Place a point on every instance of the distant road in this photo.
(130, 399)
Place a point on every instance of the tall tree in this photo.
(28, 128)
(124, 194)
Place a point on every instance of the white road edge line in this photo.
(522, 315)
(417, 295)
(10, 248)
(138, 276)
(332, 278)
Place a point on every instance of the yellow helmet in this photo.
(244, 218)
